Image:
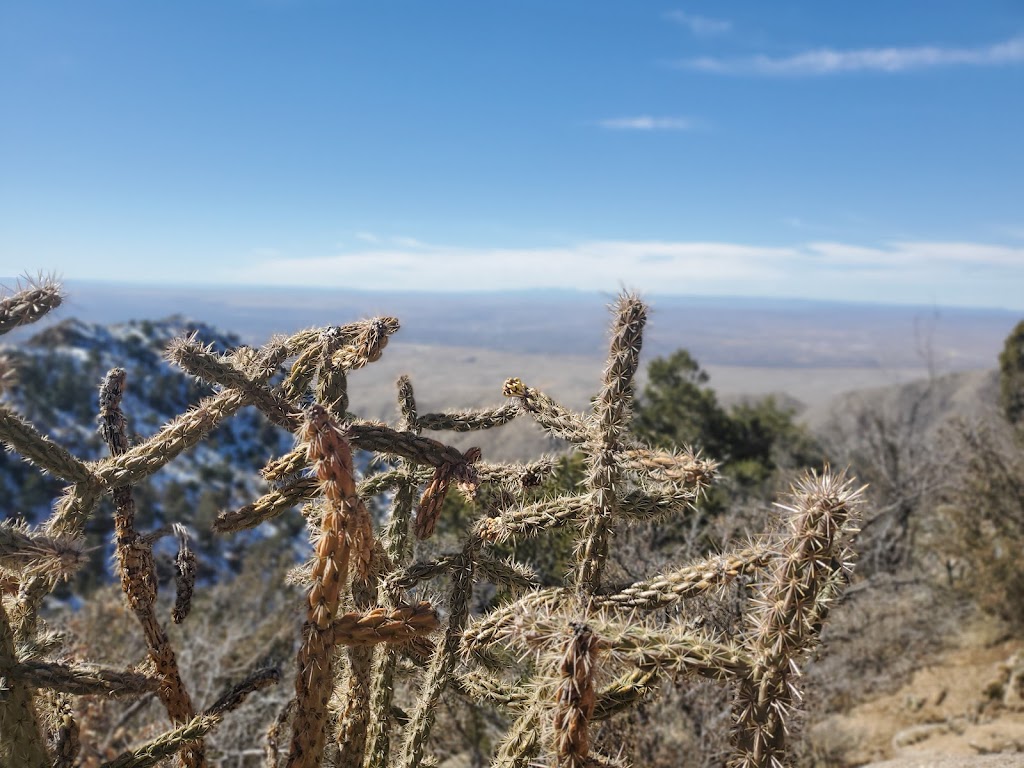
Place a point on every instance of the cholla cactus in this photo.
(556, 660)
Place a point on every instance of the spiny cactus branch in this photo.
(22, 742)
(166, 744)
(611, 414)
(469, 421)
(688, 581)
(138, 572)
(22, 437)
(557, 421)
(29, 303)
(27, 552)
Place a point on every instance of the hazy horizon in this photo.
(729, 331)
(10, 282)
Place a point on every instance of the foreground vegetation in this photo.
(628, 602)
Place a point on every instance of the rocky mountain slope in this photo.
(56, 374)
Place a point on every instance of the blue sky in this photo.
(869, 151)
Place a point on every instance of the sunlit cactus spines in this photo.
(24, 552)
(407, 607)
(789, 609)
(29, 302)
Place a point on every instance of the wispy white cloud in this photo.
(400, 241)
(407, 242)
(828, 61)
(893, 271)
(699, 25)
(909, 255)
(648, 123)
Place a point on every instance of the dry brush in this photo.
(554, 661)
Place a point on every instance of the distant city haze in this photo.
(722, 331)
(458, 348)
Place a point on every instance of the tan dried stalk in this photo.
(576, 697)
(346, 529)
(345, 534)
(332, 458)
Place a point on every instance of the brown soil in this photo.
(967, 701)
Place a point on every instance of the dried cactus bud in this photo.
(465, 472)
(185, 570)
(368, 345)
(431, 502)
(433, 497)
(360, 534)
(514, 387)
(66, 744)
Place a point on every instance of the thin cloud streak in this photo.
(918, 254)
(700, 25)
(839, 270)
(828, 61)
(648, 123)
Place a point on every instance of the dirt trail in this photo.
(968, 702)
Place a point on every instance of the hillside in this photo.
(56, 378)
